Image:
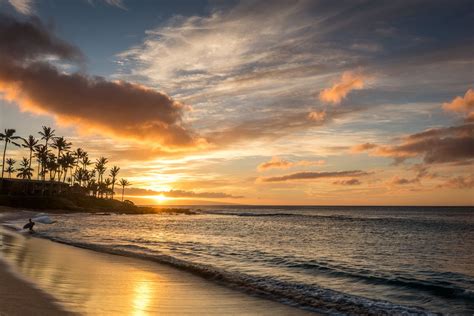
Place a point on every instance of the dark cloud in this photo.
(180, 194)
(115, 108)
(315, 175)
(460, 182)
(440, 145)
(31, 40)
(403, 181)
(348, 182)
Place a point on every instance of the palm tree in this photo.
(8, 136)
(31, 142)
(68, 161)
(105, 187)
(113, 173)
(41, 155)
(10, 162)
(100, 168)
(25, 171)
(61, 145)
(86, 161)
(124, 183)
(47, 133)
(52, 166)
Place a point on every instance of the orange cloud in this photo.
(462, 104)
(179, 194)
(437, 145)
(317, 116)
(114, 108)
(315, 175)
(362, 147)
(352, 181)
(348, 82)
(461, 182)
(279, 163)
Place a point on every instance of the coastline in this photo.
(18, 297)
(86, 282)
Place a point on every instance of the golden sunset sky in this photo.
(267, 102)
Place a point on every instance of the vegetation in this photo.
(57, 161)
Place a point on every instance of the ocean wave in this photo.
(305, 296)
(436, 287)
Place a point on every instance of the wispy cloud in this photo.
(180, 194)
(315, 175)
(459, 182)
(279, 163)
(348, 182)
(23, 6)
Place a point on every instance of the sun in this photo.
(161, 198)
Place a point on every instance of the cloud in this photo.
(348, 182)
(438, 145)
(26, 7)
(362, 147)
(179, 194)
(279, 163)
(462, 104)
(114, 108)
(349, 81)
(460, 182)
(402, 181)
(23, 6)
(314, 175)
(317, 116)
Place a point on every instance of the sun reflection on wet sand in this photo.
(143, 296)
(93, 283)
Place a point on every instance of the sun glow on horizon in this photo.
(161, 198)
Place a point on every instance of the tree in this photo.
(100, 168)
(46, 133)
(124, 183)
(105, 187)
(25, 172)
(11, 166)
(113, 173)
(8, 136)
(31, 142)
(67, 162)
(61, 145)
(41, 155)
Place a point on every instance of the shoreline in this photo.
(185, 293)
(19, 297)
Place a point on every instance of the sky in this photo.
(252, 102)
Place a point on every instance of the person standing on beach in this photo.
(29, 225)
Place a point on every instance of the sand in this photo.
(17, 297)
(93, 283)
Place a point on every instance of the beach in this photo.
(246, 260)
(41, 277)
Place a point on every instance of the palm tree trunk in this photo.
(113, 185)
(31, 156)
(3, 161)
(123, 189)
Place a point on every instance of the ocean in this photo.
(335, 260)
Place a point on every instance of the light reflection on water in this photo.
(409, 256)
(92, 283)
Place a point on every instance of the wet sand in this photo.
(88, 282)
